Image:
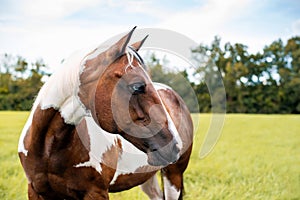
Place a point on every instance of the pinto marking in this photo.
(61, 93)
(21, 146)
(171, 192)
(130, 160)
(171, 124)
(100, 142)
(58, 93)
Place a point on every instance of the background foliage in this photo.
(265, 82)
(20, 82)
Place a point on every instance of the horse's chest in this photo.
(128, 159)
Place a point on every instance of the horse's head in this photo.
(123, 100)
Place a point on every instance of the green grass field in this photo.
(257, 157)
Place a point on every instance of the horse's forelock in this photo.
(132, 53)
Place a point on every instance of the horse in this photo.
(100, 125)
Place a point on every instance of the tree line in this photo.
(264, 82)
(20, 82)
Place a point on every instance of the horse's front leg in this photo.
(172, 185)
(173, 177)
(152, 189)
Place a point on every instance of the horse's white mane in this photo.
(61, 89)
(60, 92)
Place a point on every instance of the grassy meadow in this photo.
(256, 157)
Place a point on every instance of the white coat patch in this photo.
(171, 124)
(100, 142)
(130, 160)
(21, 146)
(171, 192)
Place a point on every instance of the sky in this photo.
(53, 29)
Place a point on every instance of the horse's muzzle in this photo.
(164, 156)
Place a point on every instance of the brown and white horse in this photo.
(100, 125)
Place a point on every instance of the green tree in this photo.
(264, 82)
(290, 83)
(19, 82)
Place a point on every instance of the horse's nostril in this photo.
(154, 149)
(177, 147)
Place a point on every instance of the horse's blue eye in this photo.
(137, 88)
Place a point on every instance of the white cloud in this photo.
(54, 9)
(53, 42)
(202, 21)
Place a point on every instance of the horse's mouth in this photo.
(160, 158)
(156, 159)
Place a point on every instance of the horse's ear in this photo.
(136, 46)
(96, 61)
(119, 47)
